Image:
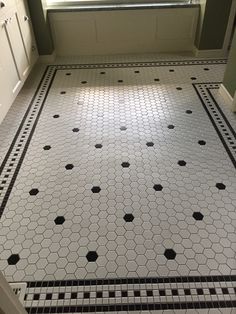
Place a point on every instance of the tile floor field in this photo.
(123, 174)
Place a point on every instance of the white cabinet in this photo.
(17, 52)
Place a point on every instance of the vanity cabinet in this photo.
(18, 51)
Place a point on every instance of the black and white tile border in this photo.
(13, 160)
(131, 294)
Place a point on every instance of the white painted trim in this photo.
(47, 58)
(229, 100)
(213, 53)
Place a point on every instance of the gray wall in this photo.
(230, 73)
(214, 24)
(41, 27)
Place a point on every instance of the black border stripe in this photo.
(6, 197)
(132, 307)
(216, 128)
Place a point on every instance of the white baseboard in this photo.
(229, 100)
(47, 58)
(214, 53)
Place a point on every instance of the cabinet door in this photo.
(10, 79)
(17, 45)
(27, 31)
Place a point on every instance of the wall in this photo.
(41, 27)
(213, 24)
(230, 73)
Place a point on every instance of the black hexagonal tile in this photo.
(198, 216)
(59, 220)
(125, 164)
(69, 166)
(158, 187)
(128, 217)
(123, 128)
(75, 130)
(188, 111)
(96, 189)
(171, 126)
(56, 116)
(150, 144)
(220, 186)
(170, 254)
(92, 256)
(33, 191)
(182, 163)
(98, 145)
(47, 147)
(201, 142)
(13, 259)
(84, 82)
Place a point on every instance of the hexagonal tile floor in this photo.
(121, 186)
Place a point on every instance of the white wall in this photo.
(124, 31)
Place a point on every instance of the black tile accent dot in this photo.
(170, 254)
(96, 189)
(49, 296)
(179, 88)
(98, 145)
(13, 259)
(182, 163)
(36, 296)
(150, 144)
(86, 295)
(128, 217)
(59, 220)
(198, 216)
(200, 291)
(193, 78)
(47, 147)
(75, 130)
(188, 111)
(149, 293)
(157, 80)
(174, 292)
(171, 126)
(158, 187)
(74, 295)
(171, 70)
(136, 71)
(187, 291)
(69, 166)
(123, 128)
(92, 256)
(220, 186)
(125, 164)
(99, 294)
(112, 294)
(102, 72)
(120, 81)
(201, 142)
(33, 191)
(84, 82)
(68, 74)
(63, 92)
(206, 69)
(56, 116)
(61, 296)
